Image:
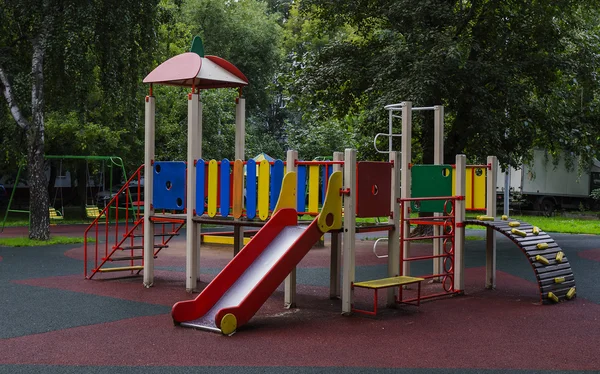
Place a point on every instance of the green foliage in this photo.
(595, 194)
(507, 72)
(248, 35)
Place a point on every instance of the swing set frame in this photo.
(112, 161)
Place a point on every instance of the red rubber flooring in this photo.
(52, 320)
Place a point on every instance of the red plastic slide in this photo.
(243, 286)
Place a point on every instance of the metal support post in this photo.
(459, 215)
(290, 281)
(149, 139)
(335, 264)
(394, 235)
(490, 244)
(349, 230)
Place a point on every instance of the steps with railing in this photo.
(118, 232)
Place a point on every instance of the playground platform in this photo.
(52, 320)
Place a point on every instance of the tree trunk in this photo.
(39, 225)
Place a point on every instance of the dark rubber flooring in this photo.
(54, 321)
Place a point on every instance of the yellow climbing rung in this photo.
(542, 259)
(514, 224)
(519, 232)
(123, 268)
(559, 279)
(542, 246)
(55, 214)
(553, 297)
(388, 282)
(485, 218)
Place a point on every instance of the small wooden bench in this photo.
(377, 284)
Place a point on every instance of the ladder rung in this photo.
(124, 268)
(165, 234)
(141, 247)
(126, 258)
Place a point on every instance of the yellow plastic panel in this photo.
(478, 192)
(238, 188)
(331, 215)
(263, 189)
(213, 182)
(475, 187)
(287, 197)
(313, 189)
(221, 239)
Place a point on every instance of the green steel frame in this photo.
(113, 161)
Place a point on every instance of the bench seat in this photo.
(377, 284)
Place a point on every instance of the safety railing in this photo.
(118, 231)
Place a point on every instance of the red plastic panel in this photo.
(374, 189)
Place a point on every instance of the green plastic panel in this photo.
(430, 181)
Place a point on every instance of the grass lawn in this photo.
(567, 225)
(26, 242)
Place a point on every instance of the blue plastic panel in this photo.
(169, 185)
(225, 175)
(301, 189)
(325, 181)
(251, 189)
(200, 187)
(275, 183)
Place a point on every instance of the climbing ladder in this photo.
(118, 232)
(550, 265)
(446, 221)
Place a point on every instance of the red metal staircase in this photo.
(118, 232)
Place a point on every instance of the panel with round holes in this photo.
(169, 185)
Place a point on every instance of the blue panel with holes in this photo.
(200, 184)
(169, 185)
(275, 181)
(251, 195)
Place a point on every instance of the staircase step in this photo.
(124, 268)
(127, 258)
(141, 247)
(142, 235)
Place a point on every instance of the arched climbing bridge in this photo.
(551, 266)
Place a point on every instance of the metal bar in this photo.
(428, 198)
(431, 296)
(436, 275)
(428, 237)
(400, 107)
(319, 162)
(420, 258)
(12, 194)
(375, 302)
